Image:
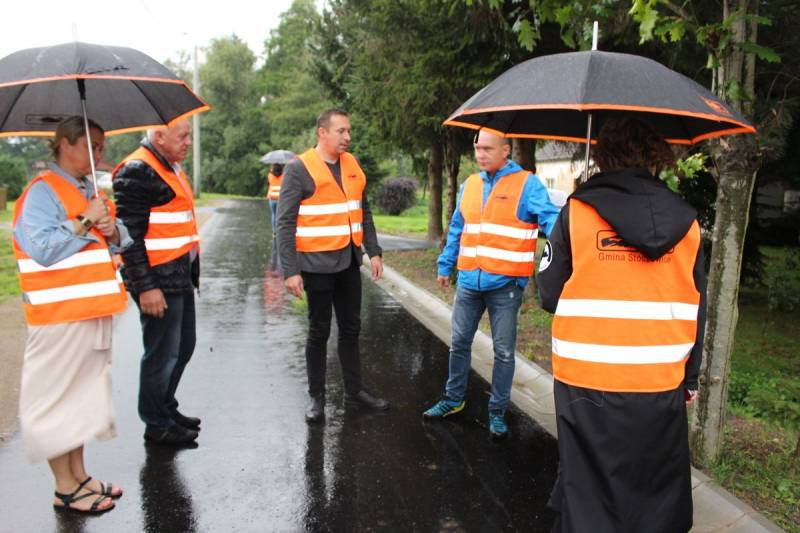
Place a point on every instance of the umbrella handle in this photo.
(82, 91)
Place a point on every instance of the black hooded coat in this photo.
(624, 456)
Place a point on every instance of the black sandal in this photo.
(105, 490)
(68, 499)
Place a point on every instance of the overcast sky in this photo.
(159, 28)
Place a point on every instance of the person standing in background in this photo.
(274, 177)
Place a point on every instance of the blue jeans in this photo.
(503, 305)
(275, 261)
(168, 346)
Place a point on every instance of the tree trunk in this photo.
(524, 152)
(453, 164)
(435, 199)
(738, 164)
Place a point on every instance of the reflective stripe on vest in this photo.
(624, 323)
(493, 238)
(273, 186)
(172, 227)
(331, 217)
(85, 285)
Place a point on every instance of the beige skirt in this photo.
(65, 396)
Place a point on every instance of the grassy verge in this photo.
(412, 223)
(213, 198)
(9, 287)
(756, 463)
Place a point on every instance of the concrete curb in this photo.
(715, 509)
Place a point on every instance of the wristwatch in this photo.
(85, 222)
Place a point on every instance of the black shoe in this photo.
(172, 435)
(189, 422)
(365, 399)
(315, 411)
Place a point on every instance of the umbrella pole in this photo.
(589, 125)
(588, 148)
(82, 91)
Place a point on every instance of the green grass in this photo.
(9, 286)
(8, 212)
(210, 198)
(412, 222)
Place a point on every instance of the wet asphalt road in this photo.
(258, 466)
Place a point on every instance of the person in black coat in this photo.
(623, 272)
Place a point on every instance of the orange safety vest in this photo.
(172, 227)
(494, 239)
(331, 217)
(85, 285)
(624, 323)
(274, 186)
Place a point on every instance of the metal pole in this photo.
(82, 91)
(196, 132)
(589, 122)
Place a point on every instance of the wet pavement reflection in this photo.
(258, 466)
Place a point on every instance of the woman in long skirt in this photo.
(64, 236)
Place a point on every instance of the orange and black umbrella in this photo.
(120, 88)
(554, 96)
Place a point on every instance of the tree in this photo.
(234, 134)
(13, 174)
(293, 96)
(404, 66)
(730, 38)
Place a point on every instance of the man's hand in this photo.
(152, 302)
(444, 282)
(377, 267)
(689, 396)
(294, 284)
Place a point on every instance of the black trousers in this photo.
(340, 291)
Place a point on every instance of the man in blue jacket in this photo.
(491, 240)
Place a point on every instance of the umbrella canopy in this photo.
(550, 97)
(124, 89)
(280, 157)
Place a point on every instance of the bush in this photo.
(395, 195)
(13, 175)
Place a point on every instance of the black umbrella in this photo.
(555, 96)
(280, 157)
(120, 88)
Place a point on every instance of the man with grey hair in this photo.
(161, 271)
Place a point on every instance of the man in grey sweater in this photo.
(323, 219)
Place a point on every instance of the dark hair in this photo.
(324, 120)
(630, 143)
(71, 129)
(276, 169)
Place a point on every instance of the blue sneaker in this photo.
(444, 407)
(497, 424)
